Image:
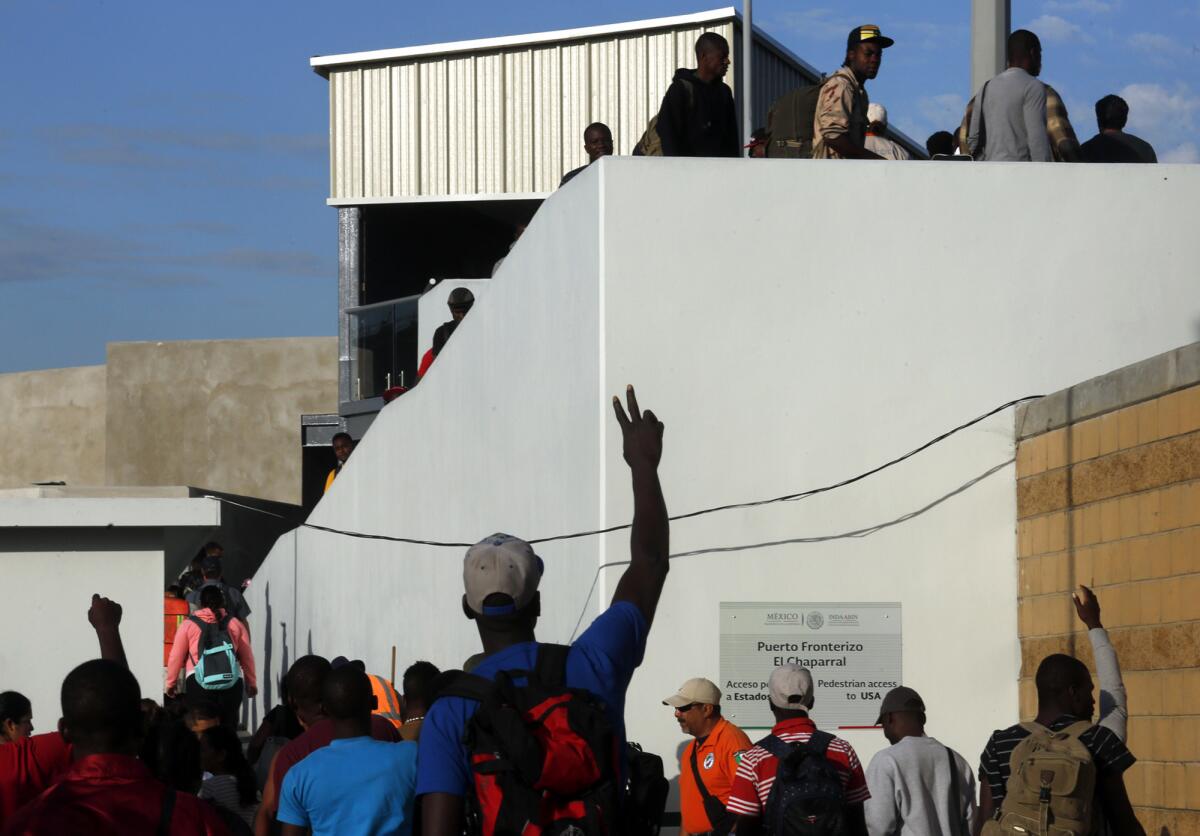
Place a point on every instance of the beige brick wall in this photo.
(1114, 502)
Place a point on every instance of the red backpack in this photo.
(544, 756)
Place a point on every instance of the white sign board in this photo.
(852, 650)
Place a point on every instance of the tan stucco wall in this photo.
(215, 414)
(54, 424)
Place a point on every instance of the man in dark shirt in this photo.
(697, 117)
(597, 143)
(1112, 144)
(235, 602)
(1065, 696)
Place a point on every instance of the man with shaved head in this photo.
(108, 790)
(1066, 704)
(356, 784)
(697, 117)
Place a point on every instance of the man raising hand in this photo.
(500, 579)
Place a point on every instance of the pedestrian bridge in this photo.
(793, 324)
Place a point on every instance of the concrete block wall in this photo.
(1108, 495)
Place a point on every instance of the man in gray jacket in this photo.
(919, 787)
(1009, 124)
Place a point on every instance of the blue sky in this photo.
(163, 166)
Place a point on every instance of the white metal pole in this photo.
(746, 71)
(990, 24)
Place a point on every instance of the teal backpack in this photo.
(217, 668)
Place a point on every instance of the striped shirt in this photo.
(995, 766)
(222, 791)
(756, 773)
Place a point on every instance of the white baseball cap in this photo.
(791, 687)
(501, 564)
(876, 113)
(695, 690)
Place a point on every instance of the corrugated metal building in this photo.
(506, 115)
(470, 136)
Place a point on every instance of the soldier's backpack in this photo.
(790, 122)
(1051, 788)
(544, 756)
(650, 145)
(216, 667)
(807, 798)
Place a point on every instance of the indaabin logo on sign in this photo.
(815, 620)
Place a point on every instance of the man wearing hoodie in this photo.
(697, 117)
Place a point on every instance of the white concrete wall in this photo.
(793, 324)
(432, 310)
(47, 631)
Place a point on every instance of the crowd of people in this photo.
(528, 737)
(1022, 118)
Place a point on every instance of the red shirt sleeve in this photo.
(30, 766)
(743, 796)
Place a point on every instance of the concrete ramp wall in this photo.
(793, 324)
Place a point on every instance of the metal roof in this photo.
(321, 64)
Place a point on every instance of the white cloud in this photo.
(1161, 50)
(1054, 29)
(1092, 6)
(1155, 109)
(1186, 153)
(1153, 42)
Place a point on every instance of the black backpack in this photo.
(544, 756)
(807, 798)
(646, 789)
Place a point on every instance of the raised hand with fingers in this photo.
(650, 536)
(642, 432)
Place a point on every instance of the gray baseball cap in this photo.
(501, 564)
(900, 699)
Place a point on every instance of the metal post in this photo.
(991, 21)
(746, 71)
(349, 277)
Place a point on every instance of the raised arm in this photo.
(650, 540)
(105, 617)
(1114, 710)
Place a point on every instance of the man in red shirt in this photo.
(305, 681)
(108, 790)
(33, 764)
(791, 693)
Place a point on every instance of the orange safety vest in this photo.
(175, 610)
(387, 701)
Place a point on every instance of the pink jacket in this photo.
(186, 649)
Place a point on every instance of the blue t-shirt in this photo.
(354, 785)
(601, 661)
